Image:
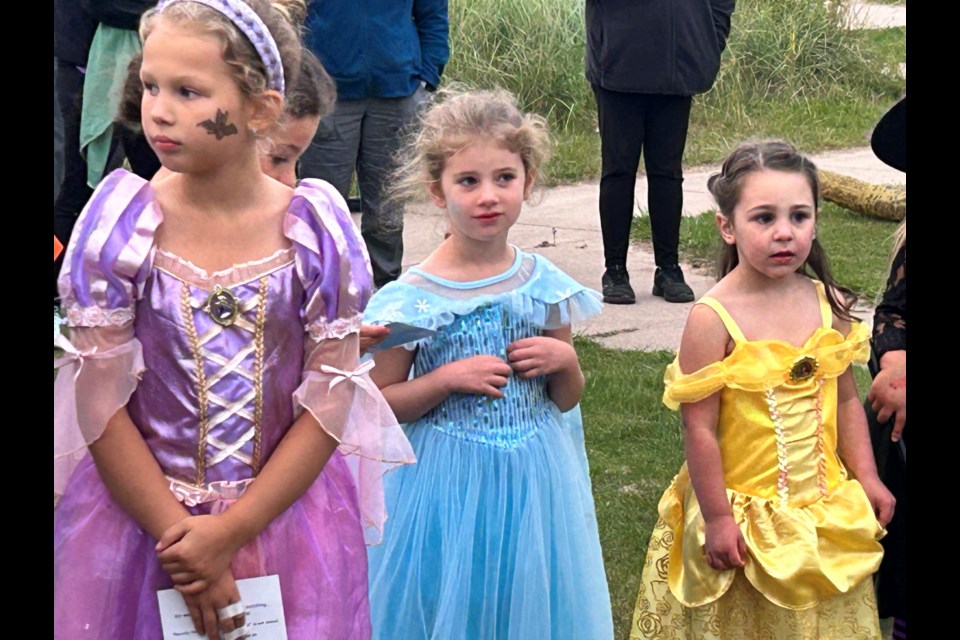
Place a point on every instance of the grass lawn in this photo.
(635, 447)
(856, 245)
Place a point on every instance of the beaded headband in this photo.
(249, 23)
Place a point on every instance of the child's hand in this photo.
(371, 335)
(204, 607)
(880, 497)
(479, 375)
(195, 551)
(725, 547)
(541, 356)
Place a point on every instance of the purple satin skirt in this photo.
(106, 573)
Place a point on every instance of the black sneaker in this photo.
(616, 286)
(669, 284)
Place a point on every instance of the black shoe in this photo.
(616, 286)
(668, 283)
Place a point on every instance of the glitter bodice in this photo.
(501, 422)
(484, 317)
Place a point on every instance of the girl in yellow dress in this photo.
(771, 528)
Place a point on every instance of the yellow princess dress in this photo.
(811, 533)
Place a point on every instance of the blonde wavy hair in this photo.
(458, 118)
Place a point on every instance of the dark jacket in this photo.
(379, 48)
(75, 22)
(120, 14)
(668, 47)
(890, 318)
(73, 30)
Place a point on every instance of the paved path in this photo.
(864, 15)
(576, 247)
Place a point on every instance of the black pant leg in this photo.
(74, 191)
(622, 128)
(667, 120)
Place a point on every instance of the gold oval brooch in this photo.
(222, 306)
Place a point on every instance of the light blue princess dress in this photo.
(493, 533)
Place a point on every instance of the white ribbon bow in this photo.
(72, 354)
(356, 375)
(79, 356)
(223, 492)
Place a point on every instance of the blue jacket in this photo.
(379, 48)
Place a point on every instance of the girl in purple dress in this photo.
(213, 365)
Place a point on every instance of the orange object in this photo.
(57, 247)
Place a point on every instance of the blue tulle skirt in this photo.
(485, 542)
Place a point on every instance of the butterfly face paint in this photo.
(219, 127)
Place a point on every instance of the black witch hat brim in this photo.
(889, 139)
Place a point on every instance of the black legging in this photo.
(656, 125)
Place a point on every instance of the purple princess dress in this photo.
(213, 369)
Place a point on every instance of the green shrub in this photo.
(534, 48)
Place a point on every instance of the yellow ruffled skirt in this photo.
(845, 610)
(743, 612)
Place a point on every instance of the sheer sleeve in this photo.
(333, 265)
(103, 273)
(890, 318)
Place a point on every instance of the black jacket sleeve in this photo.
(722, 12)
(121, 14)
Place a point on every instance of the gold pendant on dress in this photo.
(222, 306)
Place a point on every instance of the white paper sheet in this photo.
(260, 597)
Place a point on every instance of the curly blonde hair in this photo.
(456, 119)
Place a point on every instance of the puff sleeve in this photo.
(104, 270)
(334, 268)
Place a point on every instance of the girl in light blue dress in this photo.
(493, 533)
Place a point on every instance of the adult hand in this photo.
(888, 393)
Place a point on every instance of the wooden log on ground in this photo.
(887, 202)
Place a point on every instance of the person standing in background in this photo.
(57, 137)
(383, 60)
(886, 402)
(79, 45)
(73, 30)
(645, 62)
